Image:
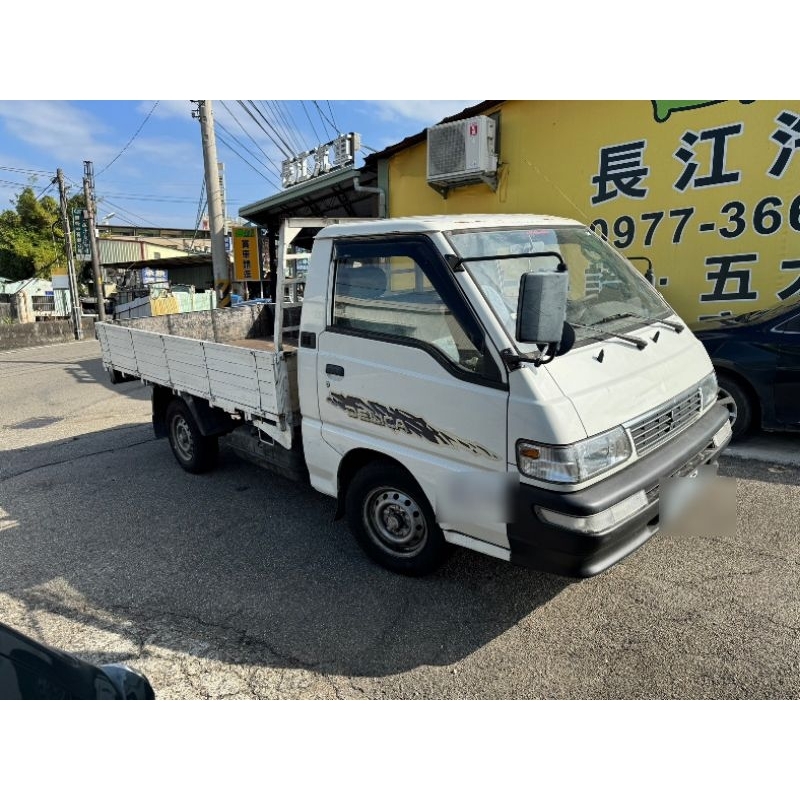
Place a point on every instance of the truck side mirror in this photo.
(542, 307)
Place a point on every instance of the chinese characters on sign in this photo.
(341, 152)
(246, 259)
(621, 171)
(80, 226)
(702, 159)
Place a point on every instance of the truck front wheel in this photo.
(391, 519)
(193, 451)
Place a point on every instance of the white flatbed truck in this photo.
(506, 383)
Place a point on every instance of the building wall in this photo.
(710, 194)
(121, 251)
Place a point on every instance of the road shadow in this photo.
(760, 471)
(108, 531)
(83, 371)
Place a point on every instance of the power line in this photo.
(293, 123)
(330, 108)
(268, 166)
(247, 133)
(269, 135)
(17, 183)
(287, 129)
(227, 144)
(288, 151)
(147, 222)
(46, 188)
(201, 211)
(201, 207)
(27, 171)
(237, 153)
(308, 117)
(324, 118)
(130, 141)
(152, 199)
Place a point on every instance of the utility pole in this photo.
(73, 283)
(219, 258)
(88, 193)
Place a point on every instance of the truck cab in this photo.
(432, 422)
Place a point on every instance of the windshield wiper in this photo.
(640, 343)
(676, 326)
(748, 315)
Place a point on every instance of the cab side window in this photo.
(385, 289)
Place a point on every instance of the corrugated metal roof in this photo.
(330, 195)
(124, 251)
(27, 286)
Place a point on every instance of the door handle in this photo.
(334, 369)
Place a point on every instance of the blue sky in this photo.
(157, 178)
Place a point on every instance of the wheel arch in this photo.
(211, 421)
(356, 460)
(746, 386)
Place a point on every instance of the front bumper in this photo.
(550, 548)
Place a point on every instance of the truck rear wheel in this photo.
(391, 519)
(193, 451)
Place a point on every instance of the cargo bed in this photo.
(226, 356)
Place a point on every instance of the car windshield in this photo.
(605, 291)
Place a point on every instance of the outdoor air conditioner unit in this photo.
(461, 153)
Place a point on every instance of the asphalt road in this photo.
(238, 584)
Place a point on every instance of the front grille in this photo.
(664, 423)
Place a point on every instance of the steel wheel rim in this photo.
(395, 522)
(727, 400)
(182, 437)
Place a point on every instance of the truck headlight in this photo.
(708, 390)
(573, 463)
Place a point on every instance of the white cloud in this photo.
(168, 109)
(59, 129)
(425, 112)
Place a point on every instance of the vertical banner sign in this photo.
(80, 226)
(245, 254)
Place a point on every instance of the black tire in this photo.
(193, 451)
(739, 404)
(392, 521)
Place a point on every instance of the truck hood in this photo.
(629, 382)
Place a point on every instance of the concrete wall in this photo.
(33, 334)
(217, 325)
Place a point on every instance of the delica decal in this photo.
(401, 421)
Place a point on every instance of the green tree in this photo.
(31, 240)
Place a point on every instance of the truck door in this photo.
(404, 368)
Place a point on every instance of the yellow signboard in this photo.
(707, 191)
(246, 258)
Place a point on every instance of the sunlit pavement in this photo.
(774, 448)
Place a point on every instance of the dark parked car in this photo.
(757, 359)
(30, 670)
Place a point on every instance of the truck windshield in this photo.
(605, 291)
